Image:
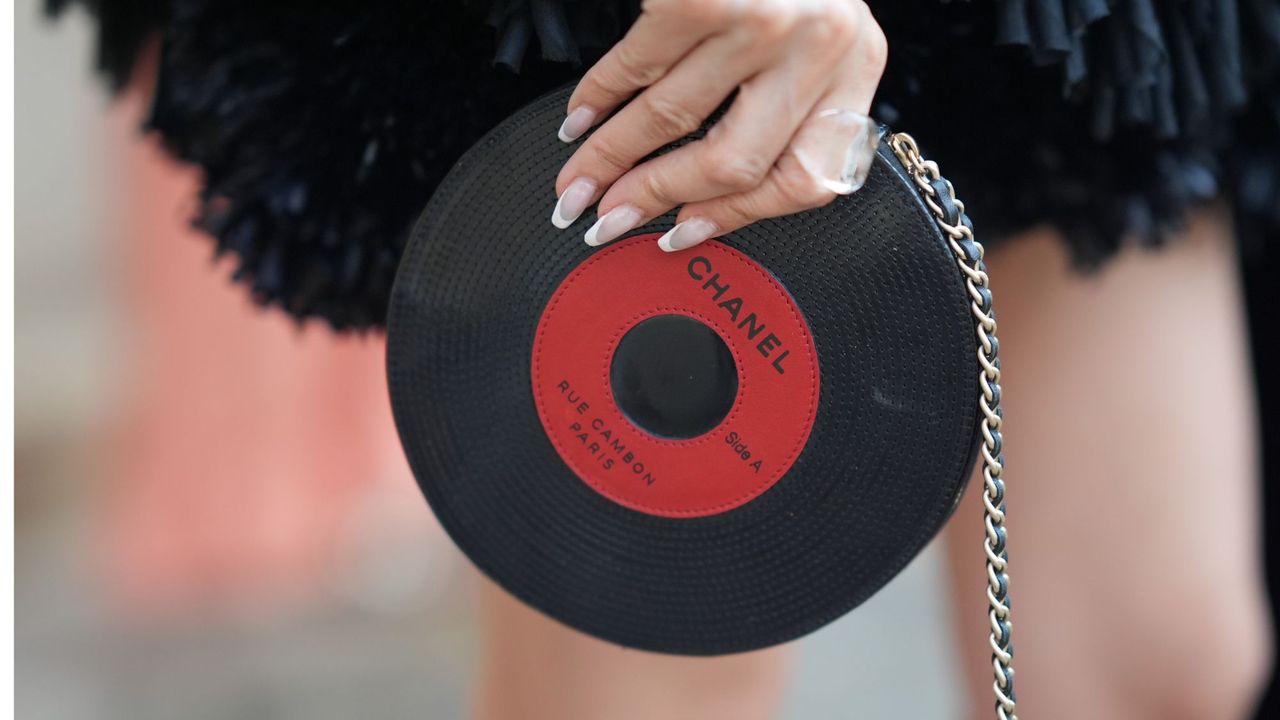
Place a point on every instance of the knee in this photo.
(1221, 667)
(1233, 669)
(1202, 652)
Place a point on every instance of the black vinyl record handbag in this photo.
(707, 451)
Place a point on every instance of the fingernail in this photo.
(837, 147)
(612, 224)
(578, 122)
(572, 202)
(687, 234)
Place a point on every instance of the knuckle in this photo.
(833, 25)
(668, 118)
(630, 70)
(770, 21)
(802, 192)
(736, 171)
(843, 13)
(606, 155)
(654, 187)
(708, 12)
(734, 210)
(873, 46)
(738, 210)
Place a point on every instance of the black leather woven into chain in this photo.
(1004, 635)
(956, 225)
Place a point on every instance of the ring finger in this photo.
(795, 182)
(735, 156)
(655, 43)
(668, 110)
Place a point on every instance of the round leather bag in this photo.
(699, 452)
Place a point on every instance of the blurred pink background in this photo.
(247, 439)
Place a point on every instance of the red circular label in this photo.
(777, 365)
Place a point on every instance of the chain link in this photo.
(940, 196)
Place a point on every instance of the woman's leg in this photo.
(1132, 487)
(533, 668)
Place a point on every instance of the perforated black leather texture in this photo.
(889, 453)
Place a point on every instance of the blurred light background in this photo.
(213, 517)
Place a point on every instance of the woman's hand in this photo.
(793, 138)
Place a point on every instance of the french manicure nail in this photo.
(687, 234)
(572, 202)
(612, 224)
(577, 122)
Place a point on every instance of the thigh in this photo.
(1132, 486)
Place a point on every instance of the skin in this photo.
(534, 668)
(1132, 461)
(788, 61)
(1131, 442)
(1132, 492)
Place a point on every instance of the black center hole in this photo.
(674, 376)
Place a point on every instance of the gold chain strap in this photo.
(940, 196)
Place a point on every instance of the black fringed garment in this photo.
(322, 127)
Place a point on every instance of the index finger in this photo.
(658, 39)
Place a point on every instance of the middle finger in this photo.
(668, 110)
(734, 157)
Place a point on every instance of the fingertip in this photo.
(576, 123)
(687, 234)
(710, 212)
(612, 225)
(572, 202)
